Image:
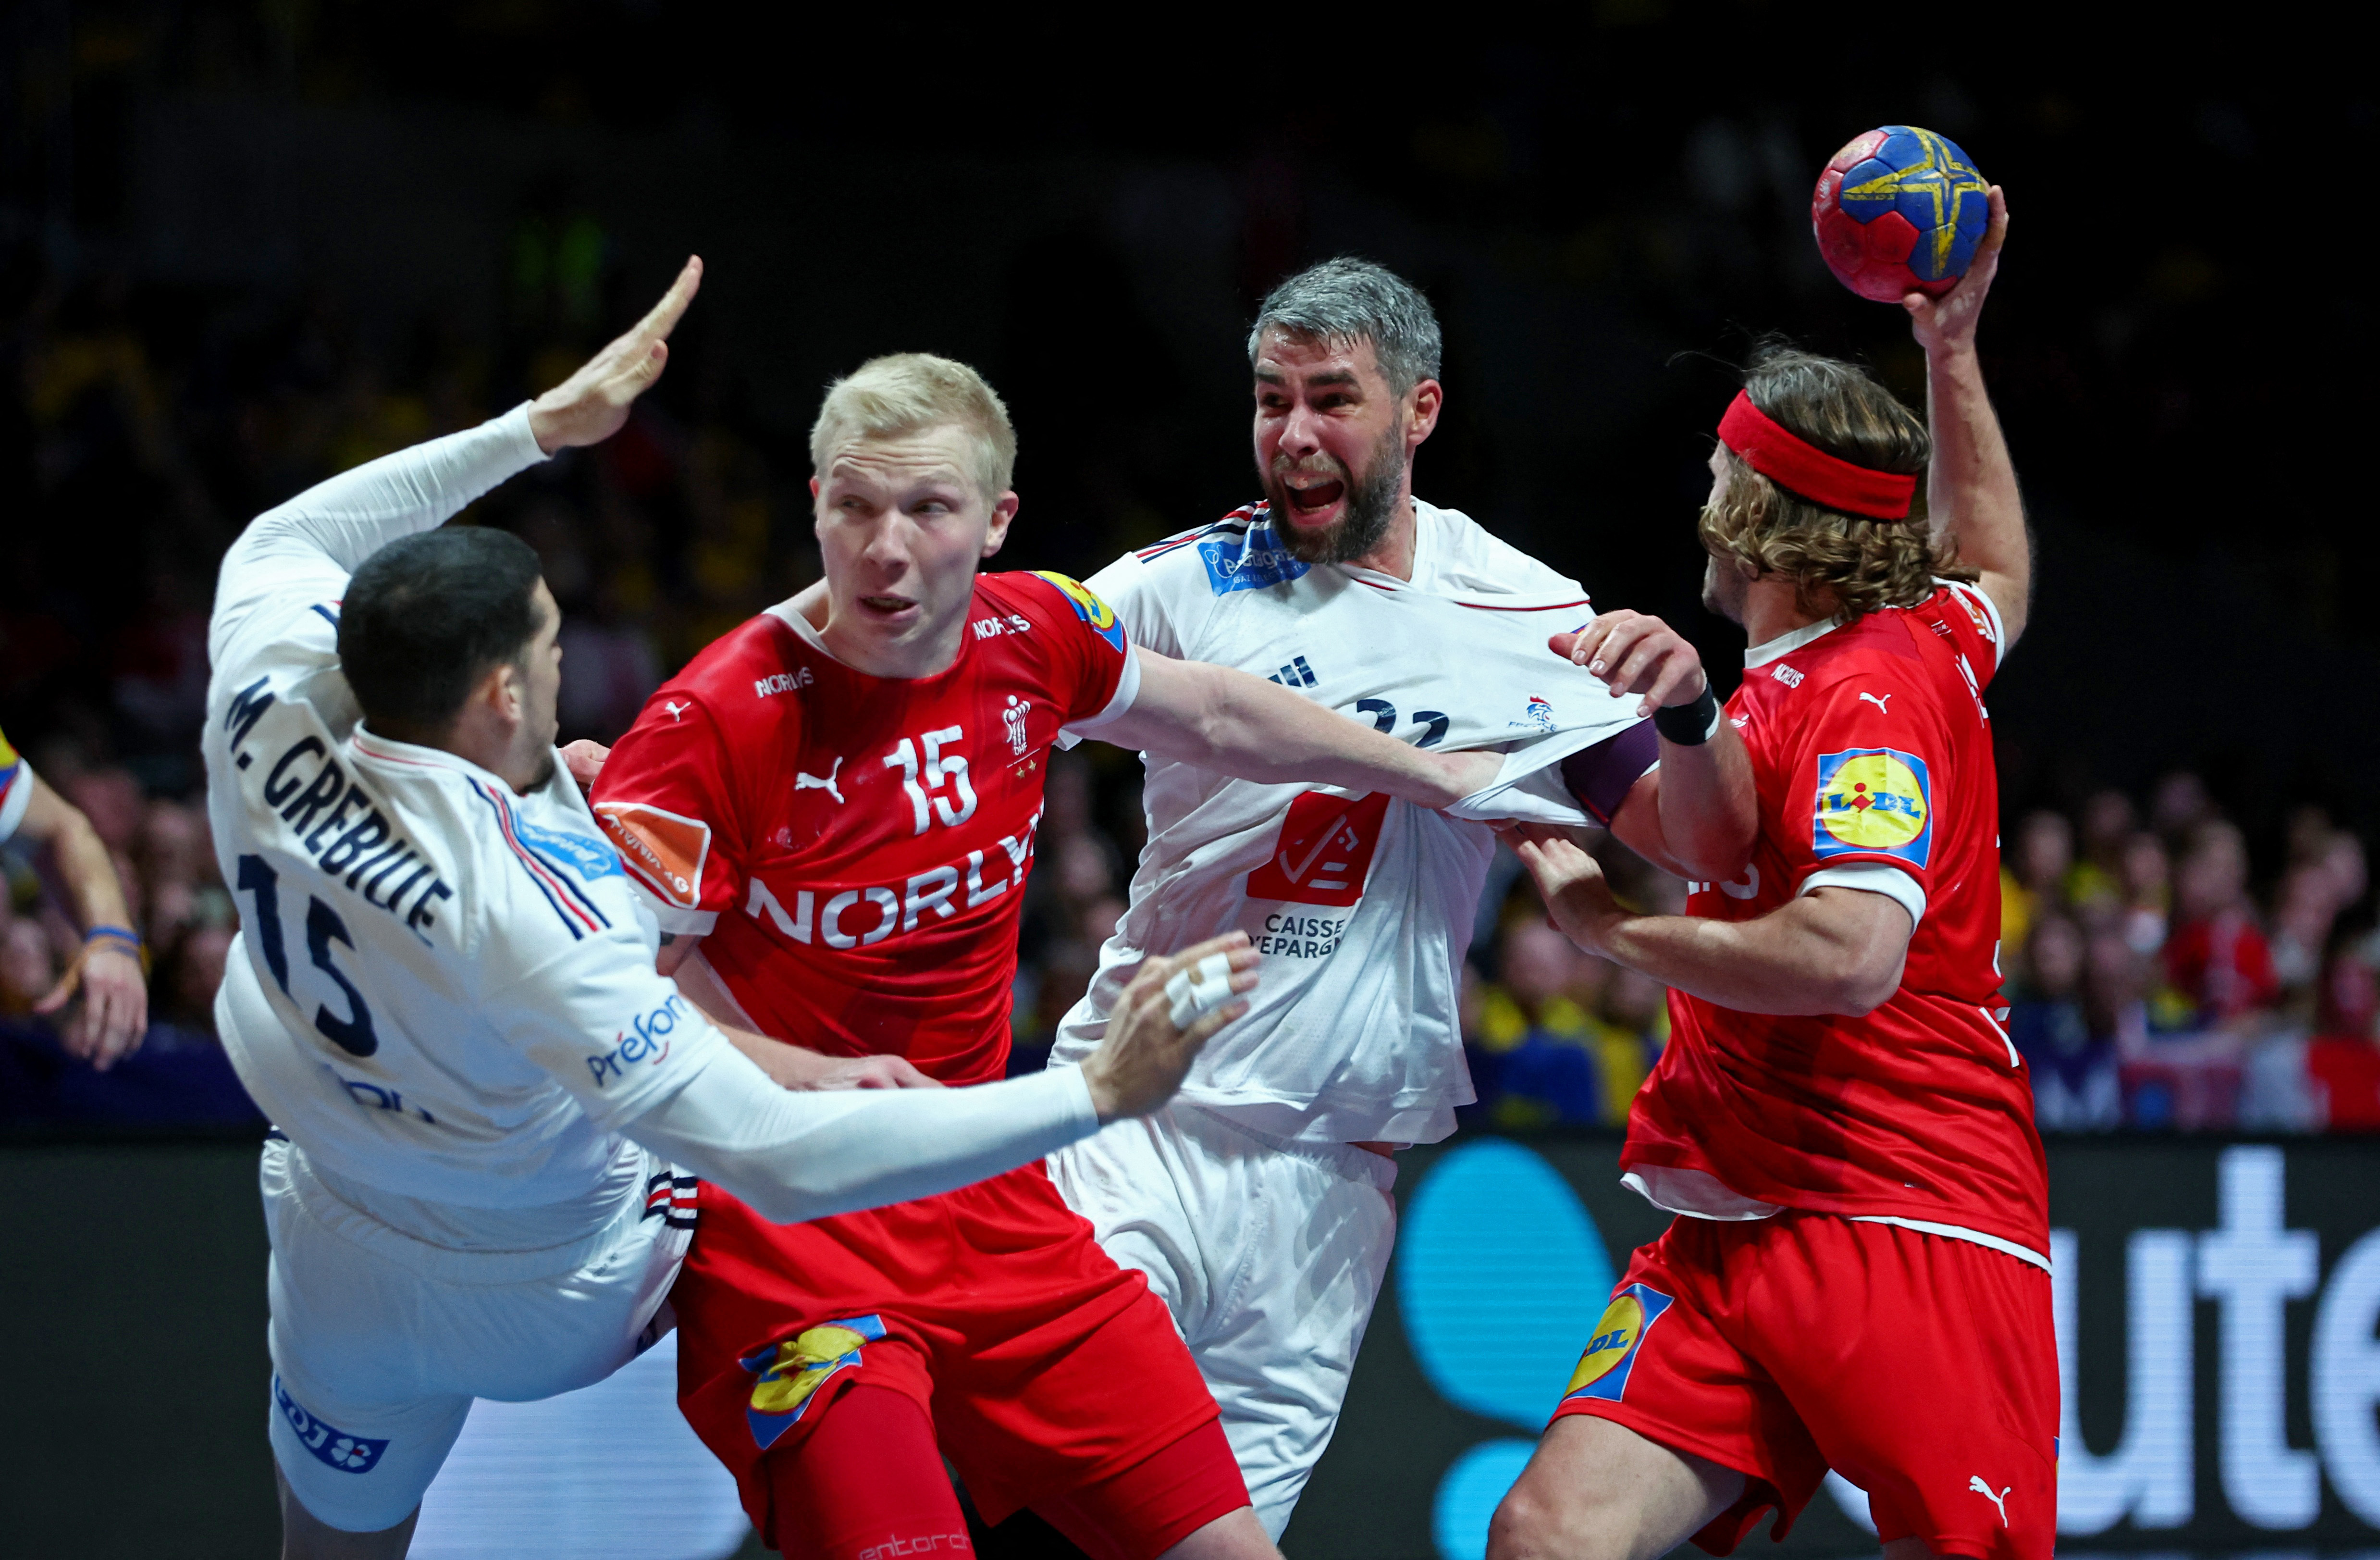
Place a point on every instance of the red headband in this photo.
(1792, 462)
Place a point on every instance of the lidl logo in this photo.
(1874, 801)
(788, 1374)
(1088, 607)
(1611, 1355)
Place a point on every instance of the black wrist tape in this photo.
(1689, 726)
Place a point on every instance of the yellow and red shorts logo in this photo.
(1611, 1356)
(1874, 801)
(788, 1374)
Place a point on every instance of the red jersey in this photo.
(852, 849)
(1872, 756)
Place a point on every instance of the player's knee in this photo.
(1539, 1520)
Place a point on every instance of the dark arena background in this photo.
(246, 246)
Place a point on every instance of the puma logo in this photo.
(812, 783)
(1878, 703)
(1976, 1481)
(677, 711)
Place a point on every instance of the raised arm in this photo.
(1971, 498)
(305, 549)
(1243, 725)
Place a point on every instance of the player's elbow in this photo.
(1720, 859)
(1865, 981)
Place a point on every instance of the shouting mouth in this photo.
(1313, 495)
(887, 607)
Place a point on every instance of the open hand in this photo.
(1634, 654)
(1578, 901)
(1947, 324)
(590, 406)
(114, 1017)
(1143, 1057)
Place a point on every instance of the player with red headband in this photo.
(1859, 1278)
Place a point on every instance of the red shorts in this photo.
(1922, 1366)
(1044, 1366)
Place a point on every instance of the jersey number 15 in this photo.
(352, 1034)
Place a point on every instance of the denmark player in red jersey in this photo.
(1859, 1278)
(838, 802)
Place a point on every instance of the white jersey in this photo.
(1362, 908)
(441, 990)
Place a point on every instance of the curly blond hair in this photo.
(1838, 563)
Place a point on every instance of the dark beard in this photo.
(1371, 505)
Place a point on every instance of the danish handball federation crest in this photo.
(1088, 607)
(789, 1373)
(1611, 1355)
(1874, 801)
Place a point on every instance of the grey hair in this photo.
(1346, 301)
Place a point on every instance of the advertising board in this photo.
(2216, 1305)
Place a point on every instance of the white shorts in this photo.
(379, 1341)
(1269, 1254)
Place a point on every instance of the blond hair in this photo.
(1837, 562)
(908, 393)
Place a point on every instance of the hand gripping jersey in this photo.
(852, 849)
(1361, 906)
(1872, 755)
(440, 989)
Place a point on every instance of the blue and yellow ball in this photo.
(1898, 210)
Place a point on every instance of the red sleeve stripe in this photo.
(571, 902)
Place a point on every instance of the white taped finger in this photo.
(1192, 993)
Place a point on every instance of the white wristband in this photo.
(1195, 992)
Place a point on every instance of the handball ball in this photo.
(1898, 211)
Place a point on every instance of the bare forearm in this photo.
(1976, 508)
(1239, 725)
(77, 860)
(1709, 815)
(1836, 951)
(1746, 966)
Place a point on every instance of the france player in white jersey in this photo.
(488, 1103)
(1257, 1203)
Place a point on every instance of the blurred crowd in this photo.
(2156, 981)
(2149, 984)
(2152, 988)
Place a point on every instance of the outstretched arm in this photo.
(302, 551)
(115, 1012)
(1971, 497)
(1836, 950)
(807, 1155)
(1239, 725)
